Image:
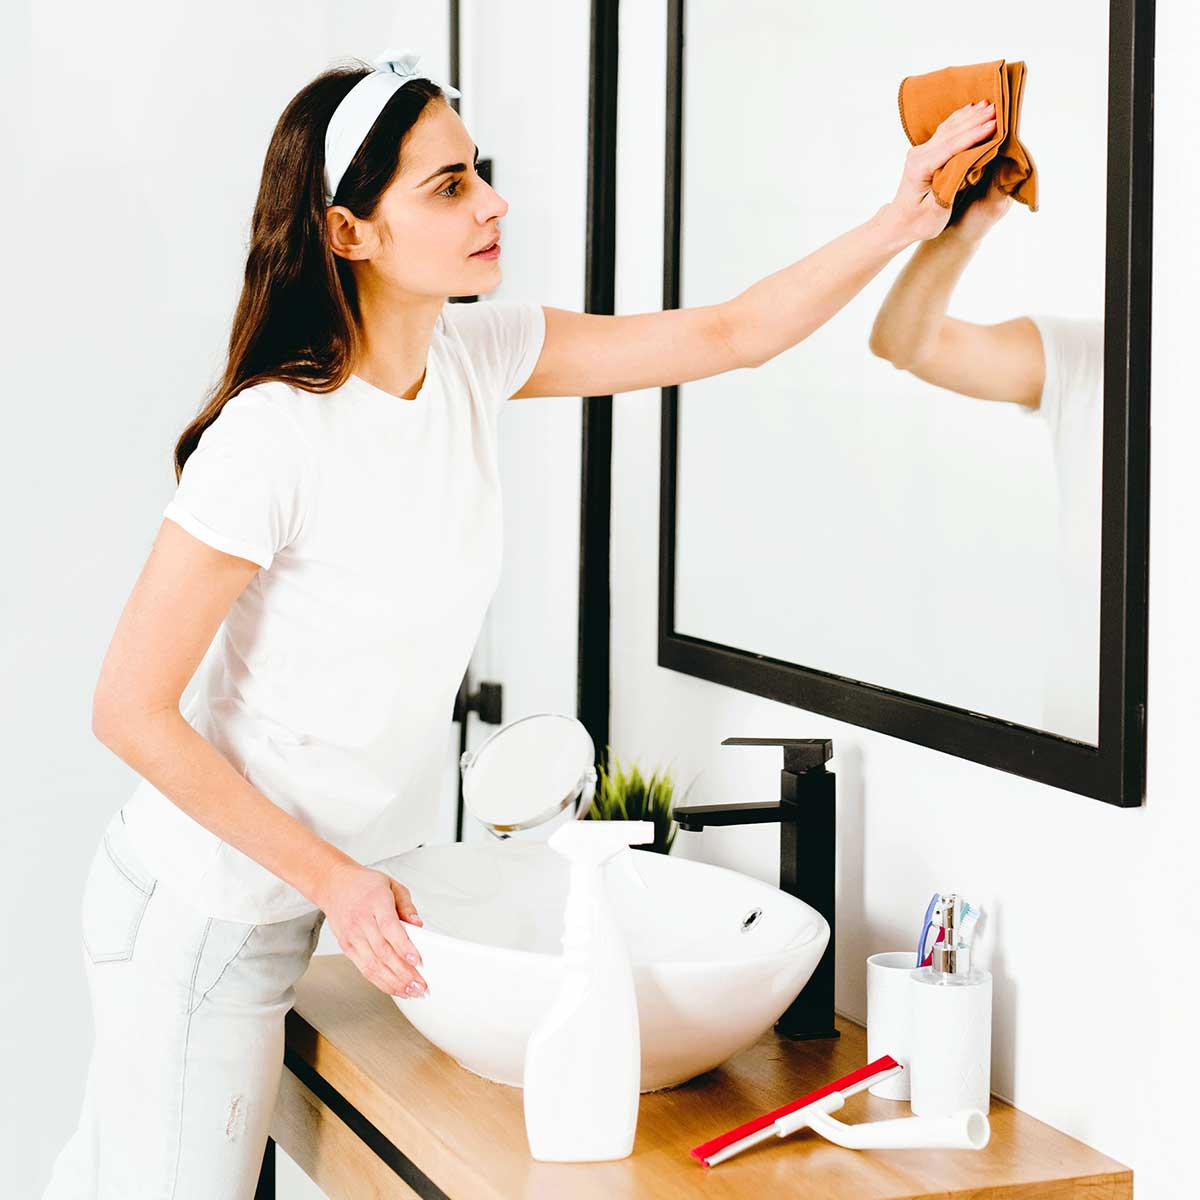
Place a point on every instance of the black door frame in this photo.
(595, 516)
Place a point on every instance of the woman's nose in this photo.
(498, 206)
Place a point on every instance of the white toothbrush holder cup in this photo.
(889, 1017)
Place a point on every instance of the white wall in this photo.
(525, 100)
(1091, 985)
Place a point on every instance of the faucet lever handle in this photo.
(799, 754)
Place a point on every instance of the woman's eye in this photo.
(446, 190)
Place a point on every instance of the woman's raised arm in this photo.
(1003, 361)
(587, 354)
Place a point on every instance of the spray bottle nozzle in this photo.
(595, 841)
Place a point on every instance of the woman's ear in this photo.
(349, 237)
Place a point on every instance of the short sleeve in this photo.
(244, 487)
(503, 340)
(1074, 353)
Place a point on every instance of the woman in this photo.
(337, 518)
(1049, 367)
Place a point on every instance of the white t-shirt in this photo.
(1072, 405)
(331, 683)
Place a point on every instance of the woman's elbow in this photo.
(883, 347)
(116, 719)
(903, 356)
(881, 343)
(879, 346)
(105, 720)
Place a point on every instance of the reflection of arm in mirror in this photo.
(913, 332)
(589, 354)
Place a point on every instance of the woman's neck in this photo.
(394, 342)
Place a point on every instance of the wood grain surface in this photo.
(467, 1134)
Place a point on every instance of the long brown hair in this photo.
(297, 318)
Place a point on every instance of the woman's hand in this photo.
(981, 214)
(914, 208)
(364, 907)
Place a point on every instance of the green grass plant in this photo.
(625, 794)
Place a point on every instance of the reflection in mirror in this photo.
(529, 771)
(911, 496)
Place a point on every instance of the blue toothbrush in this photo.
(926, 926)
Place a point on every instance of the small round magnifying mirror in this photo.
(528, 772)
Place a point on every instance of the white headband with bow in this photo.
(361, 105)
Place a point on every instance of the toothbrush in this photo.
(967, 920)
(772, 1124)
(968, 917)
(930, 909)
(928, 959)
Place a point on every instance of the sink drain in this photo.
(751, 919)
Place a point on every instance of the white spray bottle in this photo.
(583, 1063)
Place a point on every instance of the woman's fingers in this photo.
(930, 156)
(362, 907)
(393, 932)
(404, 904)
(961, 129)
(375, 971)
(966, 114)
(399, 944)
(382, 965)
(960, 140)
(382, 944)
(915, 202)
(390, 954)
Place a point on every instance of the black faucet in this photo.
(807, 816)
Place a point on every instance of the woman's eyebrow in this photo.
(449, 169)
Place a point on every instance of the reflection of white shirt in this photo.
(1072, 405)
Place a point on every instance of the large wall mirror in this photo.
(857, 527)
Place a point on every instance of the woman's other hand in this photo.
(915, 208)
(364, 908)
(981, 214)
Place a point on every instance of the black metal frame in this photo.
(370, 1135)
(595, 514)
(1115, 770)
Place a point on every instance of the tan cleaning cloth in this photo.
(927, 100)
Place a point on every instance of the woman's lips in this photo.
(492, 253)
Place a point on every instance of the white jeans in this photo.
(189, 1013)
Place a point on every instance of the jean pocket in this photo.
(222, 944)
(114, 900)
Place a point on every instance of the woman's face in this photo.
(437, 213)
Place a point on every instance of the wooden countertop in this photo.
(452, 1133)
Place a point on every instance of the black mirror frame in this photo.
(1115, 770)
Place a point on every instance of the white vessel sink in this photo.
(717, 956)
